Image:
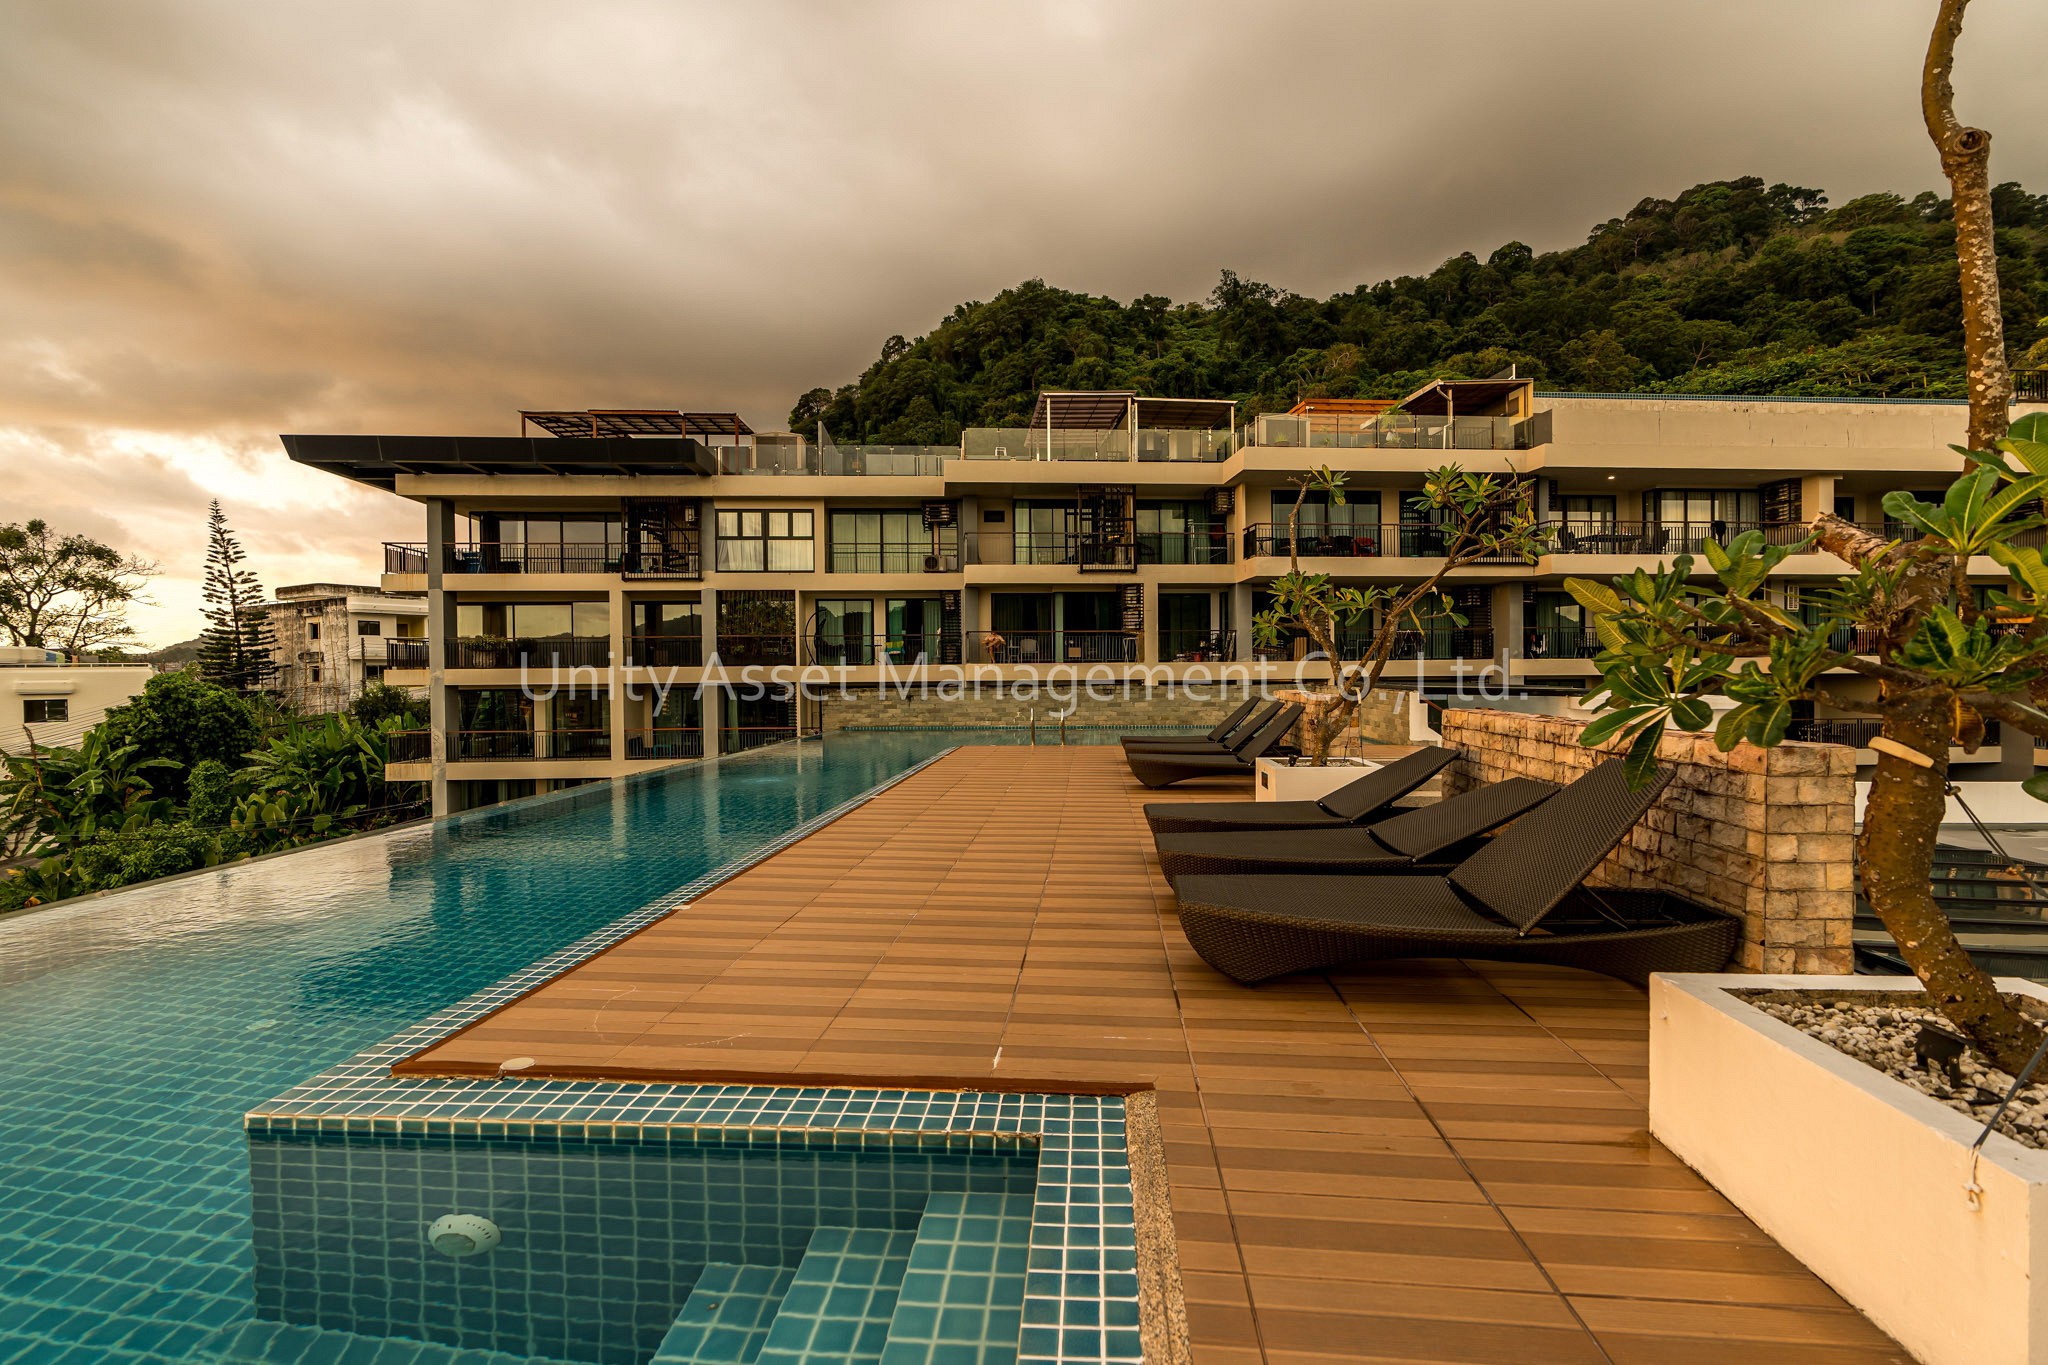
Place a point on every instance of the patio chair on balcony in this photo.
(1213, 742)
(1431, 838)
(1163, 770)
(1356, 802)
(1520, 898)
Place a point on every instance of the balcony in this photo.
(1662, 537)
(1560, 642)
(665, 651)
(859, 652)
(1148, 445)
(837, 461)
(1403, 431)
(554, 652)
(1359, 540)
(666, 743)
(405, 653)
(756, 651)
(1444, 643)
(510, 557)
(2030, 386)
(478, 745)
(1197, 646)
(1042, 647)
(409, 746)
(739, 739)
(1091, 552)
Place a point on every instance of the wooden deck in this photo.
(1425, 1162)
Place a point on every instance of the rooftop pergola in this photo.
(1472, 397)
(636, 422)
(1115, 409)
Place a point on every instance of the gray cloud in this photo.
(222, 221)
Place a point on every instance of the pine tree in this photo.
(235, 648)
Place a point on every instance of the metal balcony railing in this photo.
(558, 651)
(854, 651)
(575, 744)
(1197, 646)
(666, 742)
(666, 651)
(739, 739)
(409, 746)
(1344, 540)
(400, 557)
(2030, 386)
(756, 651)
(469, 745)
(1662, 537)
(405, 653)
(1560, 642)
(1056, 647)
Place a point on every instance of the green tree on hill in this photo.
(1731, 287)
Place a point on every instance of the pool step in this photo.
(837, 1309)
(274, 1343)
(963, 1292)
(726, 1317)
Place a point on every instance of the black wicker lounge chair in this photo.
(1434, 837)
(1239, 727)
(1518, 899)
(1163, 770)
(1356, 802)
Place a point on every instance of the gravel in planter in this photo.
(1880, 1029)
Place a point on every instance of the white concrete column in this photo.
(615, 676)
(442, 712)
(1148, 639)
(711, 711)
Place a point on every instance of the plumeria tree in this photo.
(1944, 658)
(1475, 518)
(1905, 617)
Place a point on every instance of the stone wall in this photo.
(1767, 834)
(1164, 707)
(1382, 718)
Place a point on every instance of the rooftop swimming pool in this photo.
(136, 1030)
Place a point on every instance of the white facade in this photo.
(46, 696)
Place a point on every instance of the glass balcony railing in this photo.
(856, 651)
(1328, 431)
(1148, 446)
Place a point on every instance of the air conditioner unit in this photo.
(942, 563)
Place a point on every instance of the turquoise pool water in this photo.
(136, 1030)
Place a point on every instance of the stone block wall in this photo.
(1766, 834)
(1382, 718)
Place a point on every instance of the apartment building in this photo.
(50, 699)
(330, 640)
(584, 578)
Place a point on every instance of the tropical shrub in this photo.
(184, 719)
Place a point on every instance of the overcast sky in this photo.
(222, 221)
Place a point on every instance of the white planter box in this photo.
(1861, 1177)
(1279, 780)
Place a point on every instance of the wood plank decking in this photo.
(1422, 1162)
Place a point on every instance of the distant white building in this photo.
(47, 696)
(333, 639)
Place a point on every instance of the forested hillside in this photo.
(1732, 287)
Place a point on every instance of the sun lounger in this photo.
(1356, 802)
(1163, 770)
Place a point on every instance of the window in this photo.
(1358, 515)
(373, 673)
(313, 673)
(1044, 533)
(883, 541)
(411, 630)
(532, 620)
(1588, 514)
(552, 544)
(1179, 533)
(766, 542)
(45, 710)
(312, 630)
(369, 628)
